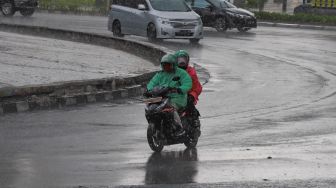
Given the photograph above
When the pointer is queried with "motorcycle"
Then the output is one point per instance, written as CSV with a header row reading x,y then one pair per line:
x,y
160,116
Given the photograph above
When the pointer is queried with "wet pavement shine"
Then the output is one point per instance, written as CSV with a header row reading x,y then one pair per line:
x,y
268,120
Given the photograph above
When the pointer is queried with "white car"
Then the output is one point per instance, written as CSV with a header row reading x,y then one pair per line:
x,y
155,19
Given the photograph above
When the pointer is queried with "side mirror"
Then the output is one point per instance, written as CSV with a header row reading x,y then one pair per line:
x,y
177,78
141,7
211,8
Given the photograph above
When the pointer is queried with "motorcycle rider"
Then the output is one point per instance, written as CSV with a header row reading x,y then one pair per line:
x,y
183,59
179,89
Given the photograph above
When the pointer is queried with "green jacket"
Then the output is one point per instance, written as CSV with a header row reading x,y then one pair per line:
x,y
165,79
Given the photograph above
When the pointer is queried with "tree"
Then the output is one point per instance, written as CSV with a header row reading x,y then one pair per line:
x,y
256,4
284,5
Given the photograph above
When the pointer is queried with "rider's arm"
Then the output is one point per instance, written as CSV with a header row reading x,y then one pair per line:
x,y
186,82
153,82
197,86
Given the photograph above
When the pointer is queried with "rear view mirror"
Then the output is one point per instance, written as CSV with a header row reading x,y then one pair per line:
x,y
141,7
211,8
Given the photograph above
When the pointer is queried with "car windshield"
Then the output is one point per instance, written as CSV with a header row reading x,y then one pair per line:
x,y
225,4
170,5
222,4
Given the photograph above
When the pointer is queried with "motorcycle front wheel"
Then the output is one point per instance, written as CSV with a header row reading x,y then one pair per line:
x,y
153,141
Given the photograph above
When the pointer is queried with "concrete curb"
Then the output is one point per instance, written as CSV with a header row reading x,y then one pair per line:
x,y
301,26
78,13
64,88
55,102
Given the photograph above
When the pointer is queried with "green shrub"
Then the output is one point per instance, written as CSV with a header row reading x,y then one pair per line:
x,y
297,18
72,5
255,3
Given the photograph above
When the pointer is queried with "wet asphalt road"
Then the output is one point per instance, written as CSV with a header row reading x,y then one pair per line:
x,y
268,119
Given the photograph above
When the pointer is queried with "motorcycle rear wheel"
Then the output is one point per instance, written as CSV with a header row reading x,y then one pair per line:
x,y
153,143
191,143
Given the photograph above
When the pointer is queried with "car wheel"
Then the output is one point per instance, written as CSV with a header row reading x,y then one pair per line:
x,y
243,29
116,29
151,33
7,8
27,12
220,24
194,41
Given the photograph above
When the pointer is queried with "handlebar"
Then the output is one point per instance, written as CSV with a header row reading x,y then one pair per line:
x,y
162,92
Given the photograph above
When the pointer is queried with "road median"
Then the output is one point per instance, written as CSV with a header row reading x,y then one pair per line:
x,y
55,95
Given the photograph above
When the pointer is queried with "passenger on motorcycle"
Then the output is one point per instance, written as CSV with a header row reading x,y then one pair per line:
x,y
183,59
179,89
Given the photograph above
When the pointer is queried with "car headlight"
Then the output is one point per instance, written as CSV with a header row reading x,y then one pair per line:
x,y
164,21
199,21
232,14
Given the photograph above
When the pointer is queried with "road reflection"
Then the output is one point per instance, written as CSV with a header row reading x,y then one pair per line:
x,y
172,167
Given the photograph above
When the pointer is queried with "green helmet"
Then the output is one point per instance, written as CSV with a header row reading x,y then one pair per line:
x,y
166,60
169,58
182,57
182,53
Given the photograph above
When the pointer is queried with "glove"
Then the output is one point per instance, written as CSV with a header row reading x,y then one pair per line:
x,y
179,91
175,90
147,94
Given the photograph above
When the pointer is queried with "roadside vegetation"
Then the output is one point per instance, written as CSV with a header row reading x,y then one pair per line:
x,y
75,6
255,4
297,18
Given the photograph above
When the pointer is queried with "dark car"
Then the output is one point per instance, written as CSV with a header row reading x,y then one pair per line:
x,y
223,15
26,7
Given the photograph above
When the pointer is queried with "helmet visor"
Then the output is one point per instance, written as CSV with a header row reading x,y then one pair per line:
x,y
168,67
182,62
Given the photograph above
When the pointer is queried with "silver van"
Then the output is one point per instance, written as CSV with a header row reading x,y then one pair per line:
x,y
155,19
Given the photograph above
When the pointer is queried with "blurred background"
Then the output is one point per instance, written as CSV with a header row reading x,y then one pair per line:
x,y
102,6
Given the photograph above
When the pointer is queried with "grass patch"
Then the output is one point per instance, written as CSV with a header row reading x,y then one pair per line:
x,y
297,18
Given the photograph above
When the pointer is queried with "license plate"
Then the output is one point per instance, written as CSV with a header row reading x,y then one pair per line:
x,y
185,32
